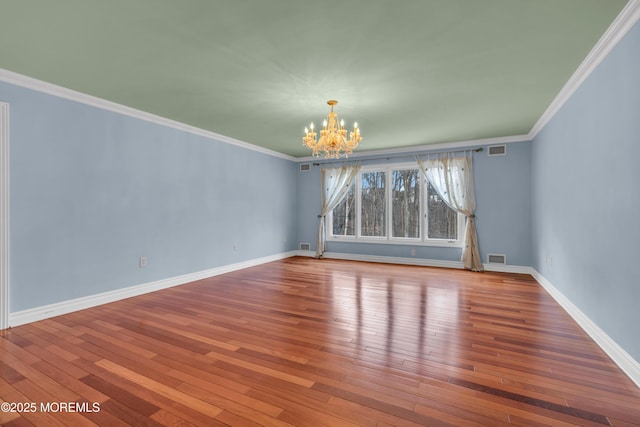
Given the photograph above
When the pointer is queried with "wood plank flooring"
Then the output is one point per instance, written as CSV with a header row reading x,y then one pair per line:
x,y
306,342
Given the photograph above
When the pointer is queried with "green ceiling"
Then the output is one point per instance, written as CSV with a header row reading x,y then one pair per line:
x,y
411,72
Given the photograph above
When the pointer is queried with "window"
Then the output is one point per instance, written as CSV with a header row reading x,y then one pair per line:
x,y
442,220
372,204
405,203
395,204
344,215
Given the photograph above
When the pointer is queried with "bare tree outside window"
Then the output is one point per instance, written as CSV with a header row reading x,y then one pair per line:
x,y
395,203
441,219
405,193
344,215
373,200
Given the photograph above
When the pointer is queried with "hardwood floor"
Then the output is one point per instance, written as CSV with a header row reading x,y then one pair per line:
x,y
308,342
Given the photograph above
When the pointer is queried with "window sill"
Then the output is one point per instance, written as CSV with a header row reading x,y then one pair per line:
x,y
395,241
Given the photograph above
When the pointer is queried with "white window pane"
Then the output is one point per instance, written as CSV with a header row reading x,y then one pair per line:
x,y
372,213
344,215
442,220
405,193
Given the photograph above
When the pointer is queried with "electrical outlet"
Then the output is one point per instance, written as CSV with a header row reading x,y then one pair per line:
x,y
143,261
413,252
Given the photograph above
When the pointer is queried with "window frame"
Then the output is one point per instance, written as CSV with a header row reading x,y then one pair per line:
x,y
423,240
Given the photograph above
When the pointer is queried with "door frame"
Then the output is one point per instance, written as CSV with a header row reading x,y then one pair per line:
x,y
4,215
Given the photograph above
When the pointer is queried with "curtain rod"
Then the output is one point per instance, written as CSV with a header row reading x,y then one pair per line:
x,y
397,156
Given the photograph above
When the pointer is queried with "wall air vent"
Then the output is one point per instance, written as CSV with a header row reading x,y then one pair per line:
x,y
496,259
305,167
497,150
305,246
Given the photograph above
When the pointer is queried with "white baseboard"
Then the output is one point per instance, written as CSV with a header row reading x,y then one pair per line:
x,y
628,364
44,312
418,261
394,260
620,357
506,268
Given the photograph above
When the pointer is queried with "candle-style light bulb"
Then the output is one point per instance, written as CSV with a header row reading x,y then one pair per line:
x,y
342,123
306,131
355,125
324,123
311,126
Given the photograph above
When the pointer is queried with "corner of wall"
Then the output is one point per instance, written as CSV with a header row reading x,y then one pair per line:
x,y
628,364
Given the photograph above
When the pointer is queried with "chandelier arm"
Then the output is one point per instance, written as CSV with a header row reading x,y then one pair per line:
x,y
333,141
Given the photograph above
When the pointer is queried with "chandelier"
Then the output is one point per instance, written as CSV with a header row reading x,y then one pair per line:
x,y
333,140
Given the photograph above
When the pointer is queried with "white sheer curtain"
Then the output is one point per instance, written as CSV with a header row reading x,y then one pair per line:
x,y
335,182
452,177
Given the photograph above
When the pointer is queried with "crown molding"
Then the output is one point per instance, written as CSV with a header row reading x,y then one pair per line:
x,y
83,98
425,148
625,20
72,95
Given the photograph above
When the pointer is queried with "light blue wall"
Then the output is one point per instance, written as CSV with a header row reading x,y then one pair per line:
x,y
586,196
91,191
503,198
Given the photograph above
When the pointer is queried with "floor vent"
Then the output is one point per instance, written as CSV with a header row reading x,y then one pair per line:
x,y
497,150
305,167
496,259
305,246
